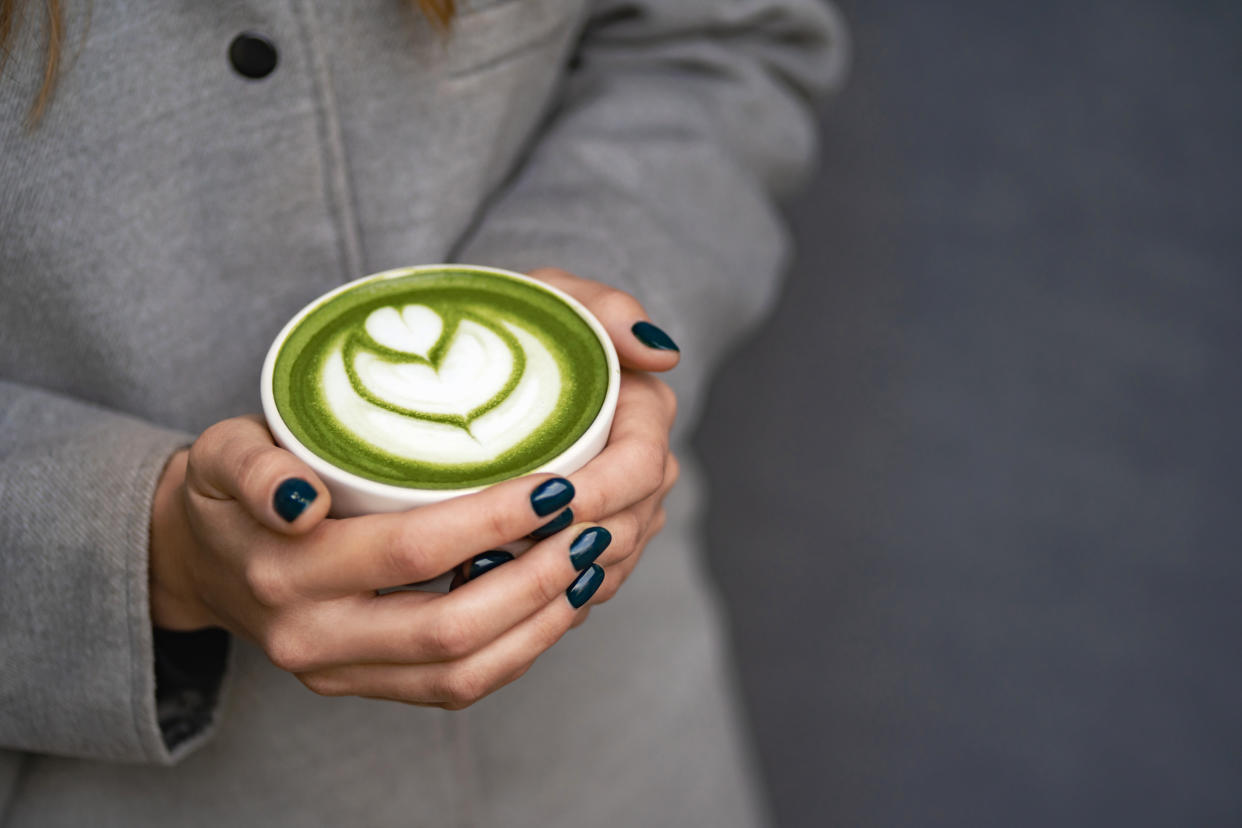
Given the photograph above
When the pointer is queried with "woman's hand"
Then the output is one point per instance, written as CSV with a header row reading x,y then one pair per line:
x,y
305,590
239,539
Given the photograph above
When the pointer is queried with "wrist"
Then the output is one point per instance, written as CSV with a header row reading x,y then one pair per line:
x,y
173,601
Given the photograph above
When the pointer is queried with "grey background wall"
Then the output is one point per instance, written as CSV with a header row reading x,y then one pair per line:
x,y
976,485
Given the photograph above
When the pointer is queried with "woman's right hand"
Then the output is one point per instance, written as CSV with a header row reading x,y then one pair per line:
x,y
304,589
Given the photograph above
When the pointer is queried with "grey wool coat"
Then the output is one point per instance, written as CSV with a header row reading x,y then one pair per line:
x,y
166,217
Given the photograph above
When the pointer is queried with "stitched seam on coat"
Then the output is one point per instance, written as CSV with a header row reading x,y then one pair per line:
x,y
332,146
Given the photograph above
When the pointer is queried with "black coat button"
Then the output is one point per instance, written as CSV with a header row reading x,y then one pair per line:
x,y
252,55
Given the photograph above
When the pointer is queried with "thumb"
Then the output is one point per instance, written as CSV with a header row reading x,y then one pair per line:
x,y
641,345
238,460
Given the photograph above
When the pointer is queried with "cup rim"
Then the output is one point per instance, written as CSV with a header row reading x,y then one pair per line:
x,y
411,495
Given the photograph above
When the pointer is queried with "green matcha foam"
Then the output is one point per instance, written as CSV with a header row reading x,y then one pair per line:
x,y
440,379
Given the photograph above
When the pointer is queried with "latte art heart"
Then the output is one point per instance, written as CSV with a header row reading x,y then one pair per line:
x,y
475,366
415,329
484,395
440,379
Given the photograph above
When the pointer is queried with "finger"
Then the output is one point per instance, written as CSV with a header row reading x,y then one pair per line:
x,y
633,528
627,529
621,559
458,684
631,467
624,555
640,344
656,525
380,551
620,571
672,473
414,627
237,460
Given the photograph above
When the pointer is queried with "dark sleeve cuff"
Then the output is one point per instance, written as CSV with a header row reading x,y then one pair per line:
x,y
189,669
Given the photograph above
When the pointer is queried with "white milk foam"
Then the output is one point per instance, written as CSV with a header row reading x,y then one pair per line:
x,y
474,369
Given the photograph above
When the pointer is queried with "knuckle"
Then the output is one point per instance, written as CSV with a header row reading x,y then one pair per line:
x,y
634,529
463,687
256,469
672,473
199,451
614,302
502,525
213,436
657,522
288,649
406,557
267,582
650,462
205,448
450,636
547,584
590,505
323,684
667,396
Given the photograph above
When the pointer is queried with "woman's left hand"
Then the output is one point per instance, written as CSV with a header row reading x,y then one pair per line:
x,y
623,488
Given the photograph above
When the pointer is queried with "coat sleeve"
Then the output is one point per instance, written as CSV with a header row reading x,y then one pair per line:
x,y
77,657
681,125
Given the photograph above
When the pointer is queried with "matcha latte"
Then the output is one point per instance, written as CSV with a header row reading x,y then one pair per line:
x,y
440,379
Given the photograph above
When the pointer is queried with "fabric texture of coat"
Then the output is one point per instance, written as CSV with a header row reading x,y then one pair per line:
x,y
168,215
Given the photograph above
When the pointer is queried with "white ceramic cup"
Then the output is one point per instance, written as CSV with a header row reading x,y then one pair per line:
x,y
354,495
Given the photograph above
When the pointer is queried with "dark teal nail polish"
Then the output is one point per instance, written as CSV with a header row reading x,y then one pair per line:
x,y
587,546
487,562
551,495
653,337
554,525
292,498
581,590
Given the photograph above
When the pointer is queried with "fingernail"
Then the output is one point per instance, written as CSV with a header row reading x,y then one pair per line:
x,y
487,562
554,525
292,498
551,495
587,546
581,590
653,337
